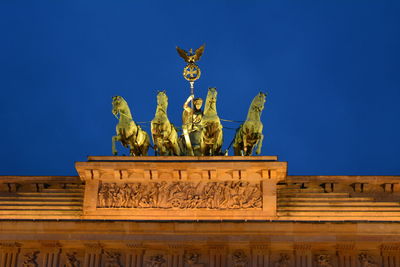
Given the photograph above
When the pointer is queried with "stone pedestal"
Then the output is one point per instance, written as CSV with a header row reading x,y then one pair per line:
x,y
181,188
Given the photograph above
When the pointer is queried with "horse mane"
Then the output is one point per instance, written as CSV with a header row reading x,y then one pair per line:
x,y
254,108
125,107
163,104
210,106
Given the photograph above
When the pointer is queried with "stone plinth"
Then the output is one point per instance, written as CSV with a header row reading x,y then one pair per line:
x,y
181,188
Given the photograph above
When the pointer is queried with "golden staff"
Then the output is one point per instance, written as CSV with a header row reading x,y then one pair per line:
x,y
191,73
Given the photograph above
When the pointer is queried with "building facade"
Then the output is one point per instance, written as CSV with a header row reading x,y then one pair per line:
x,y
198,211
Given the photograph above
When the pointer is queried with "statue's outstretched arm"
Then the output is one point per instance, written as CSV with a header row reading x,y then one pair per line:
x,y
186,105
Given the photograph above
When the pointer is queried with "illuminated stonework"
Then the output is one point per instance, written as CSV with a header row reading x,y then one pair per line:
x,y
180,195
198,212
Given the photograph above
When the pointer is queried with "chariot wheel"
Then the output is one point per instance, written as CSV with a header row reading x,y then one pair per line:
x,y
175,203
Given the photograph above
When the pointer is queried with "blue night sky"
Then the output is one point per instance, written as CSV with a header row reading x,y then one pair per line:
x,y
330,68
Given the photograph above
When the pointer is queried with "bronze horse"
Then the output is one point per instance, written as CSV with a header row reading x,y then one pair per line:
x,y
128,132
249,135
163,132
211,132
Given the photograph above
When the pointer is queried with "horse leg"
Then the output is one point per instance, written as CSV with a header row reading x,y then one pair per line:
x,y
249,150
175,149
182,146
175,145
197,143
202,145
156,146
218,144
236,144
115,139
259,144
145,150
160,148
244,151
145,146
132,150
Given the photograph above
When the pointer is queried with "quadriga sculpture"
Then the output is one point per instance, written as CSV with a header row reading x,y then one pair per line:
x,y
128,132
211,133
165,136
249,135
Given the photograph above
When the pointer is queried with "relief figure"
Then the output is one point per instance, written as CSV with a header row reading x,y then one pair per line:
x,y
181,195
71,260
30,259
366,260
323,261
239,259
156,261
283,261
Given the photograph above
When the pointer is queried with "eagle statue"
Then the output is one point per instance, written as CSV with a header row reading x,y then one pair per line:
x,y
191,57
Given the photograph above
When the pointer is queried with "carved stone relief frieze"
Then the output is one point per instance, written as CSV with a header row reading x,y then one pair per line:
x,y
239,259
366,260
156,261
112,259
191,258
323,260
30,259
71,260
194,255
283,261
181,195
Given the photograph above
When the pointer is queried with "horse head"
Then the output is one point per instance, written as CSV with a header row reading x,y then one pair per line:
x,y
211,99
120,106
258,101
162,99
117,103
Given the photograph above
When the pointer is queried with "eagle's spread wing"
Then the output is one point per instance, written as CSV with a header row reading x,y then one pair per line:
x,y
182,53
199,52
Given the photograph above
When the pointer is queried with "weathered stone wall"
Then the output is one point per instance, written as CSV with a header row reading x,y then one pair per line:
x,y
277,244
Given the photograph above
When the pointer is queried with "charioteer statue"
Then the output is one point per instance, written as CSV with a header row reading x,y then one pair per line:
x,y
192,116
191,123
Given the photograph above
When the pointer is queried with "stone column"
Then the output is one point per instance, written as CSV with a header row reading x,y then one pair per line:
x,y
346,255
217,256
134,256
390,255
303,255
9,252
51,254
269,197
93,255
270,177
91,192
259,255
175,255
70,258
